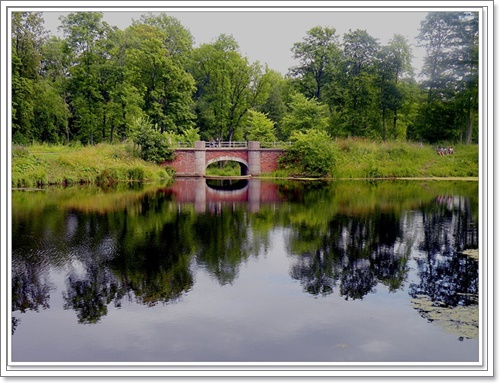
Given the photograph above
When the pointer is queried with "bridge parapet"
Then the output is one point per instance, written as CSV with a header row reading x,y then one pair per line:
x,y
236,144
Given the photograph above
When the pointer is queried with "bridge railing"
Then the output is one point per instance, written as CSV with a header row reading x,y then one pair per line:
x,y
226,144
277,144
236,144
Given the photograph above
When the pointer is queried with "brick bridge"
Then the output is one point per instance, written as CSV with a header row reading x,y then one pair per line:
x,y
253,159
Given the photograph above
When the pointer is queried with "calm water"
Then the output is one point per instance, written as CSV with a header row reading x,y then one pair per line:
x,y
247,271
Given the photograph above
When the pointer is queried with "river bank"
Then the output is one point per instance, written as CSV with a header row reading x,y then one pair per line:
x,y
365,159
42,165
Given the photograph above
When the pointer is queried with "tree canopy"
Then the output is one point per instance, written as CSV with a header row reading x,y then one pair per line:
x,y
94,82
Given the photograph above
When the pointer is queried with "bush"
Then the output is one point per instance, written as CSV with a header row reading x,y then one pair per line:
x,y
311,153
153,144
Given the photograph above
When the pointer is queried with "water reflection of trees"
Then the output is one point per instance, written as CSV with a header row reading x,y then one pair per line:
x,y
356,251
144,252
355,254
90,295
447,290
30,288
222,242
447,277
141,254
110,256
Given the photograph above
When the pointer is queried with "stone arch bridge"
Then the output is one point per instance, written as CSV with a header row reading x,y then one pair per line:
x,y
253,159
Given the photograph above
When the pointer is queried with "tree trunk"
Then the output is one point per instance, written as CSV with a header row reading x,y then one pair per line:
x,y
394,126
111,133
468,134
384,127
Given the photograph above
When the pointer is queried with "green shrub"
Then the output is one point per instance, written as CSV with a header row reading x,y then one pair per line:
x,y
311,153
153,144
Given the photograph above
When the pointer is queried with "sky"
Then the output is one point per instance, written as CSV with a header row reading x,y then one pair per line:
x,y
268,36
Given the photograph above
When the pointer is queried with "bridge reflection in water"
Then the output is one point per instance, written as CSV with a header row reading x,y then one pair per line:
x,y
206,193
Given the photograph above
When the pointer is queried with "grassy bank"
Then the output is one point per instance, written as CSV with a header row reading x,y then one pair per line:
x,y
360,158
40,165
365,159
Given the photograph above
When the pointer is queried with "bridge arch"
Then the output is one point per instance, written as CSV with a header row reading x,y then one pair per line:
x,y
242,162
193,161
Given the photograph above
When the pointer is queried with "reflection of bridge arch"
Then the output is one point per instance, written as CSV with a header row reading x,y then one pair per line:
x,y
226,184
196,190
241,161
240,194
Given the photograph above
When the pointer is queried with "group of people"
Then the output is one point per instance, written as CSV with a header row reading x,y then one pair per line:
x,y
214,143
442,151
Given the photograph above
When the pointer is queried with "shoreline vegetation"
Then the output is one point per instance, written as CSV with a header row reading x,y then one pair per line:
x,y
41,165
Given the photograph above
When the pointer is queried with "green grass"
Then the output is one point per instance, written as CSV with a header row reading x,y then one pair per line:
x,y
358,158
362,158
40,165
224,169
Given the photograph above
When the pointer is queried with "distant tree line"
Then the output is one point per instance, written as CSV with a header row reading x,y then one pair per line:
x,y
99,83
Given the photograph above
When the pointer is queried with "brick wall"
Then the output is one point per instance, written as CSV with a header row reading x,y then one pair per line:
x,y
184,160
269,159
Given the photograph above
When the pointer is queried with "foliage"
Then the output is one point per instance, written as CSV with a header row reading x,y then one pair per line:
x,y
164,84
152,143
190,135
260,127
451,69
28,36
318,55
228,86
177,40
304,115
311,153
224,169
90,85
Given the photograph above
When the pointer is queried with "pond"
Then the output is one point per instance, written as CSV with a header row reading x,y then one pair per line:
x,y
247,271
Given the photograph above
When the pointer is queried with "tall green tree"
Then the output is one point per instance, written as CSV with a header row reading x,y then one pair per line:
x,y
84,31
165,85
55,66
393,66
177,40
450,69
275,104
28,37
466,58
259,127
358,83
228,86
318,55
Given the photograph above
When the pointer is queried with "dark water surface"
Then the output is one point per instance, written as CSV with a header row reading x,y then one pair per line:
x,y
249,271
